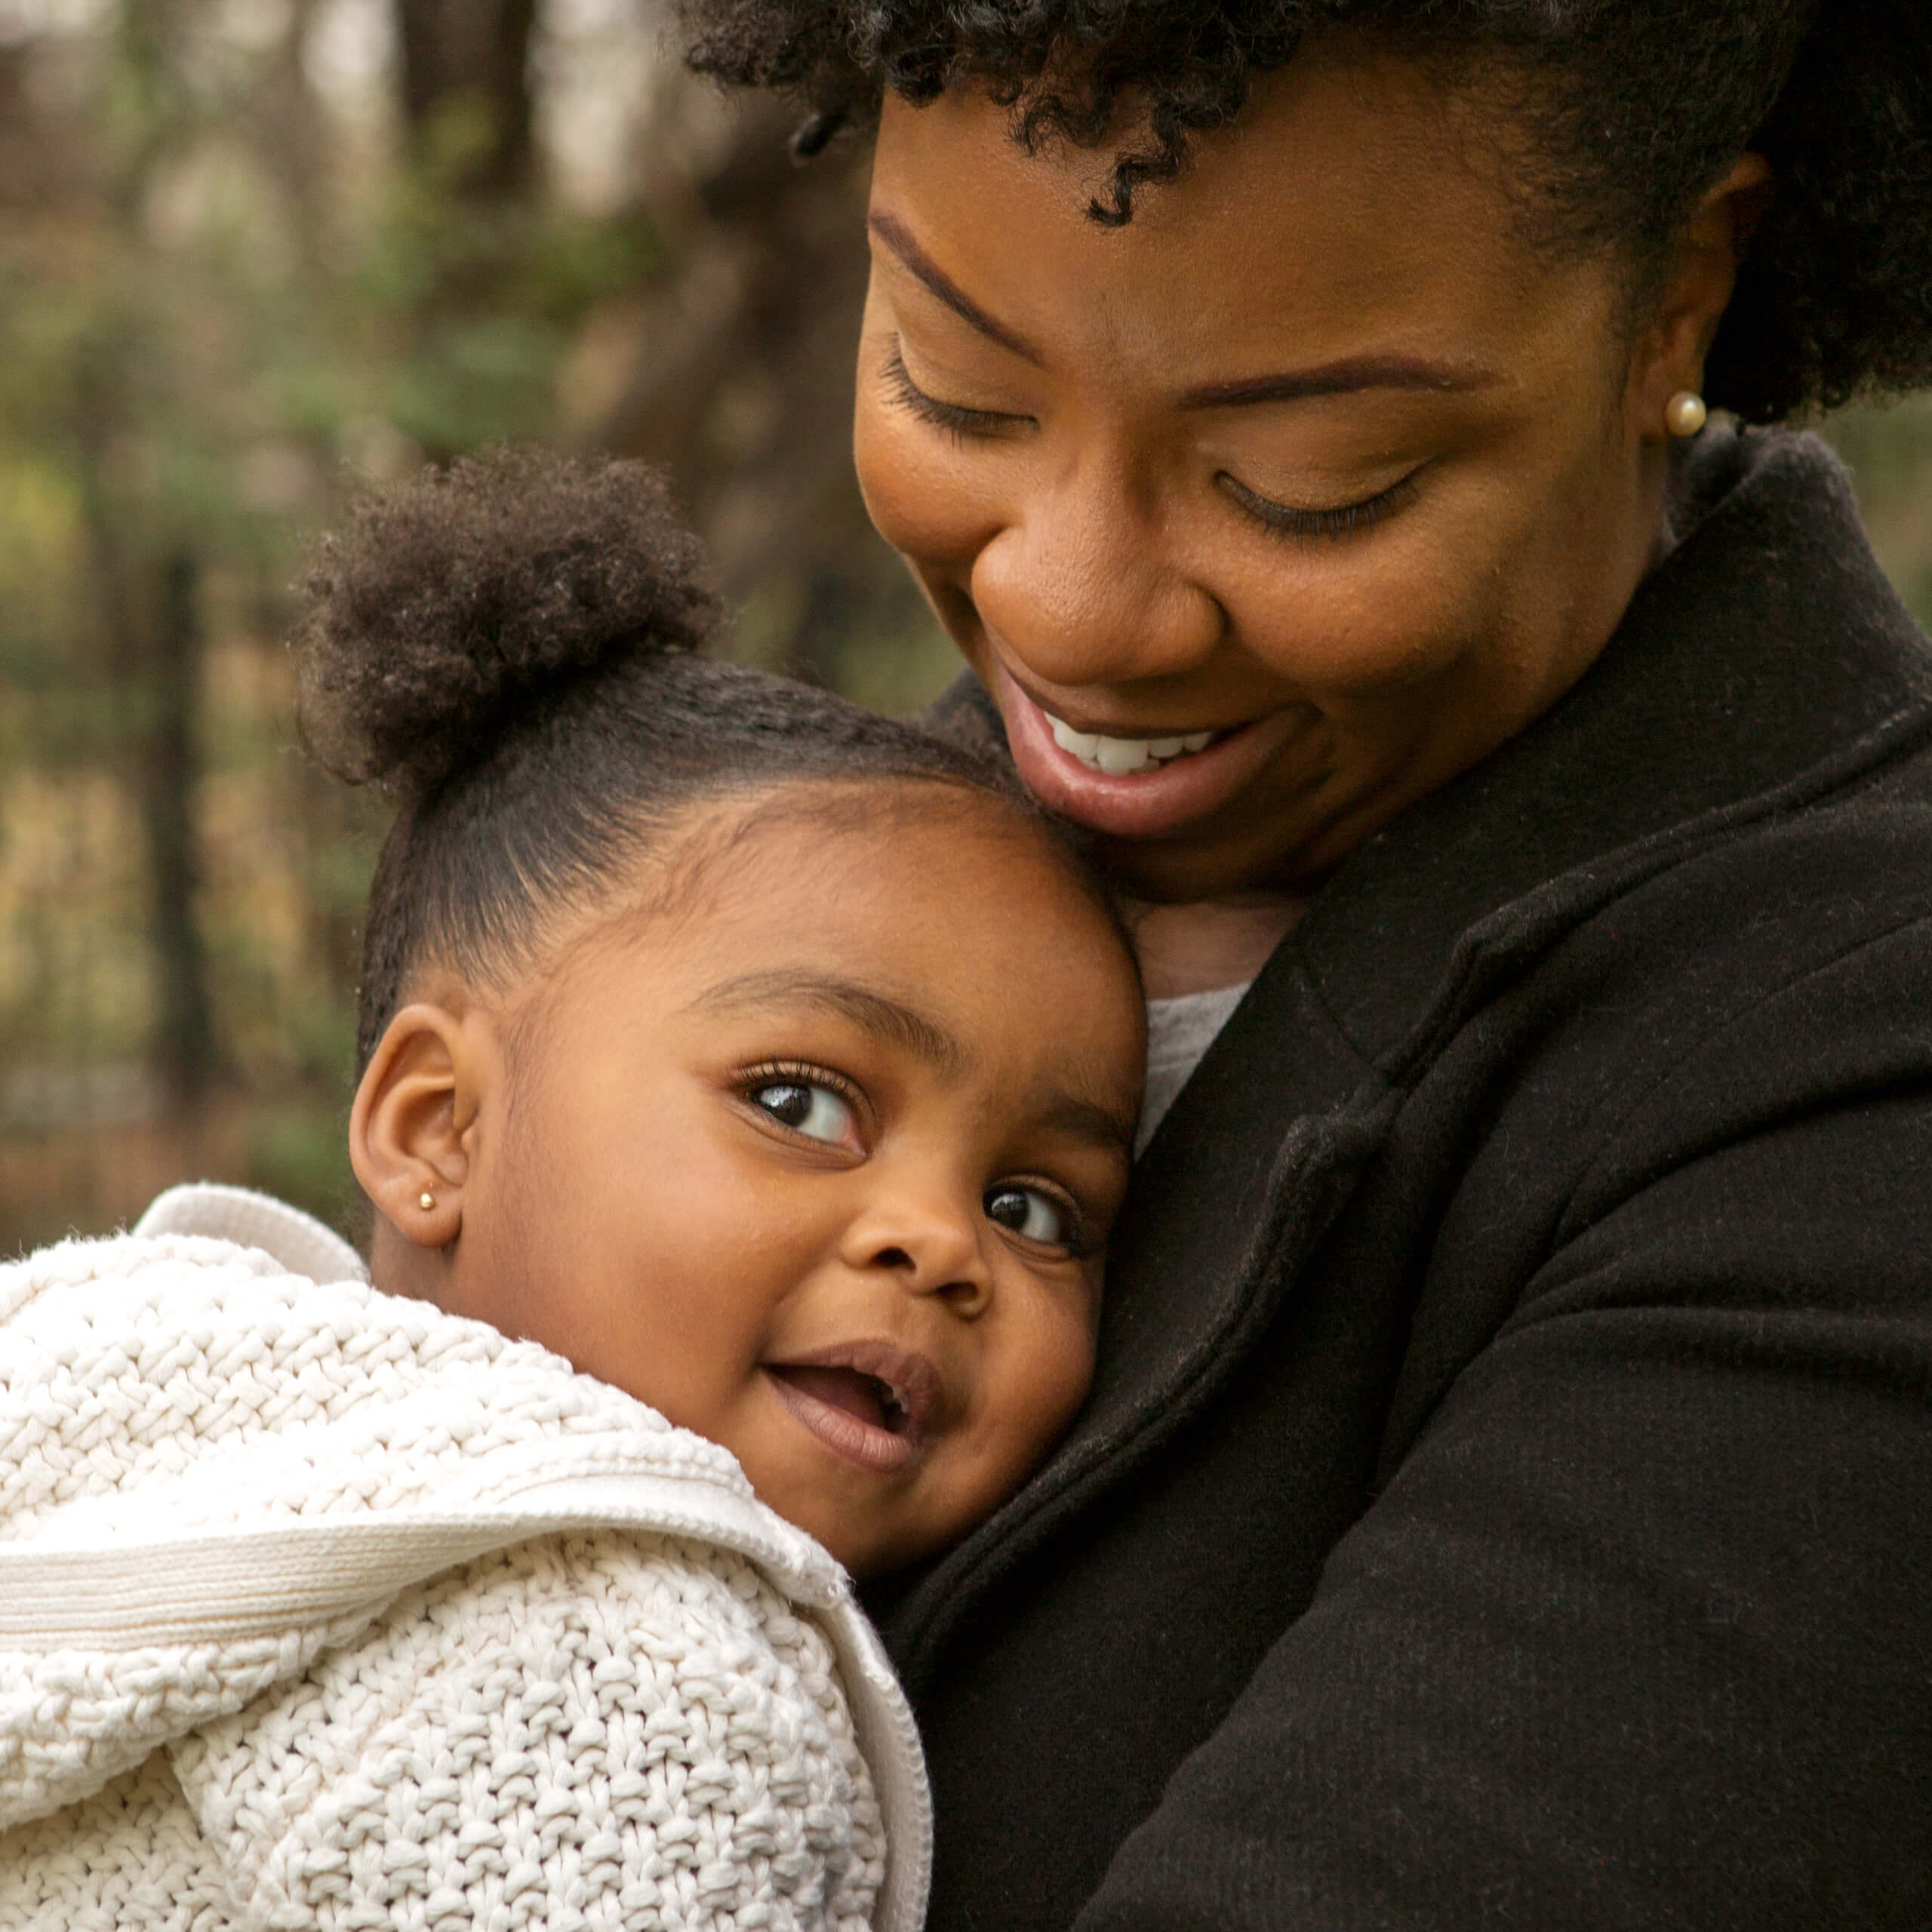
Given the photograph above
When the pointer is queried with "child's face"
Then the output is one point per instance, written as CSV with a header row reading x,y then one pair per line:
x,y
818,1161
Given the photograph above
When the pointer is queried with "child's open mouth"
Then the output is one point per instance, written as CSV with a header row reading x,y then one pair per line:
x,y
870,1402
871,1398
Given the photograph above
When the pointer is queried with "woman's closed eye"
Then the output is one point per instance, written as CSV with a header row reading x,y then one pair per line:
x,y
1041,1216
954,418
1343,520
964,423
805,1102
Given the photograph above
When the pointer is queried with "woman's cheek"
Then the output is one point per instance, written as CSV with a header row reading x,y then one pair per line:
x,y
920,491
1355,626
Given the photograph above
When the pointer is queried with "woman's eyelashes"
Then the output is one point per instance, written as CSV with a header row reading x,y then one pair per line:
x,y
1042,1215
1343,520
956,418
806,1101
963,424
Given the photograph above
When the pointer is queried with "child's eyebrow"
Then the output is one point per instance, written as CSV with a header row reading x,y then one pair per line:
x,y
1087,1120
875,1013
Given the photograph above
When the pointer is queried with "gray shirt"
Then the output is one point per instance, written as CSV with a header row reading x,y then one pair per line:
x,y
1179,1031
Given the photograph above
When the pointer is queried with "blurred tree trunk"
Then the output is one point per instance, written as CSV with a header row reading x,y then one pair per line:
x,y
466,110
147,575
744,385
184,1034
153,638
460,54
286,127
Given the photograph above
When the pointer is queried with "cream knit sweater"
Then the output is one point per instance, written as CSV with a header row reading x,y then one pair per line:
x,y
321,1608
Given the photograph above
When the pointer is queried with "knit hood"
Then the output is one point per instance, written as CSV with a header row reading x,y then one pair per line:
x,y
226,1460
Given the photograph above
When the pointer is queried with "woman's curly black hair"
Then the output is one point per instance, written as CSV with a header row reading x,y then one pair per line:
x,y
1634,109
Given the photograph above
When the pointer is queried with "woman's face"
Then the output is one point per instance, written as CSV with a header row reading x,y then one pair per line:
x,y
1316,455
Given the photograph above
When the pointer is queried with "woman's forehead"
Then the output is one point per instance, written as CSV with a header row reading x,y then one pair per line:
x,y
1354,196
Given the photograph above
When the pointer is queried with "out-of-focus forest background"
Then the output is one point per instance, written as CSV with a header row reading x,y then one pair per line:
x,y
254,254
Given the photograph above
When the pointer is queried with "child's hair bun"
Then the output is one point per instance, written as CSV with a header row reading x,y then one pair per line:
x,y
453,603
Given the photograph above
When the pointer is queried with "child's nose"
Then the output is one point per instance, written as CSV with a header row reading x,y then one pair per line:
x,y
932,1247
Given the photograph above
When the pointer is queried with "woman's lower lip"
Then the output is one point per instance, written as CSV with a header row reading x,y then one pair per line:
x,y
1145,804
877,1449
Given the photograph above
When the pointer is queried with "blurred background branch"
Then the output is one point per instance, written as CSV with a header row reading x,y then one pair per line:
x,y
254,253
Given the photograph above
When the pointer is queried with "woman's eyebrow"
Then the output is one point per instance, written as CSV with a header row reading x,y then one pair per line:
x,y
872,1012
895,236
1343,378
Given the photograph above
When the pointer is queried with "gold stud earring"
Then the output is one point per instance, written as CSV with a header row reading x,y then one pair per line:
x,y
425,1200
1684,414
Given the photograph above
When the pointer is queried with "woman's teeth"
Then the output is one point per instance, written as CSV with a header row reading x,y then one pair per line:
x,y
1119,757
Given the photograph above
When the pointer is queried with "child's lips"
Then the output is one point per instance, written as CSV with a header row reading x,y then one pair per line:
x,y
872,1402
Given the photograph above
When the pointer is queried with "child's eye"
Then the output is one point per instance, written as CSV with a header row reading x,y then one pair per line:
x,y
1033,1215
807,1108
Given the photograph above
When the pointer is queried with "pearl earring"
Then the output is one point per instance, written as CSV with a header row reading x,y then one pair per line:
x,y
425,1200
1685,414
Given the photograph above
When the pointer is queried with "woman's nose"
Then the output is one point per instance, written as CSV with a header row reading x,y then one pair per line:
x,y
1080,587
932,1247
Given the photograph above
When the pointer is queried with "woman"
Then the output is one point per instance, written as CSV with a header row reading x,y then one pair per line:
x,y
1504,1500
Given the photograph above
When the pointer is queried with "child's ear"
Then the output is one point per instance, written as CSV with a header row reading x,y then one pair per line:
x,y
407,1130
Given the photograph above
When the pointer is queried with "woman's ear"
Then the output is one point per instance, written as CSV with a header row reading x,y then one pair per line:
x,y
1672,359
408,1130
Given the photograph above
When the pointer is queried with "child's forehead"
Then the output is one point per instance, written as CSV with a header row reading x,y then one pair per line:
x,y
921,879
949,927
876,849
874,808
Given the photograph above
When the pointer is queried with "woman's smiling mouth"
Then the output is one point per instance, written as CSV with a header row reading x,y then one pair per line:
x,y
1136,788
1120,758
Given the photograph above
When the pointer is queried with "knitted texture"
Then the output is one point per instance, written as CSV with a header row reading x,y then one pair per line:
x,y
385,1620
130,1856
557,1729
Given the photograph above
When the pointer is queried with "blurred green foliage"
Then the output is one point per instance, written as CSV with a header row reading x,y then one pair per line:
x,y
1889,452
212,326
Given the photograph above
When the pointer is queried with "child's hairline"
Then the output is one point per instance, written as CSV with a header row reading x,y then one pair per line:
x,y
513,987
849,804
666,864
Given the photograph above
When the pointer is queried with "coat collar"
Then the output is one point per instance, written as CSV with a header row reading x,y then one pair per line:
x,y
1766,645
1766,654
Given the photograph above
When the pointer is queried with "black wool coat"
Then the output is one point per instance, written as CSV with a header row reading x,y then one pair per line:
x,y
1506,1497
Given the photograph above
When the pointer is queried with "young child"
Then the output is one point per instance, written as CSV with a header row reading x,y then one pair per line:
x,y
748,1085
